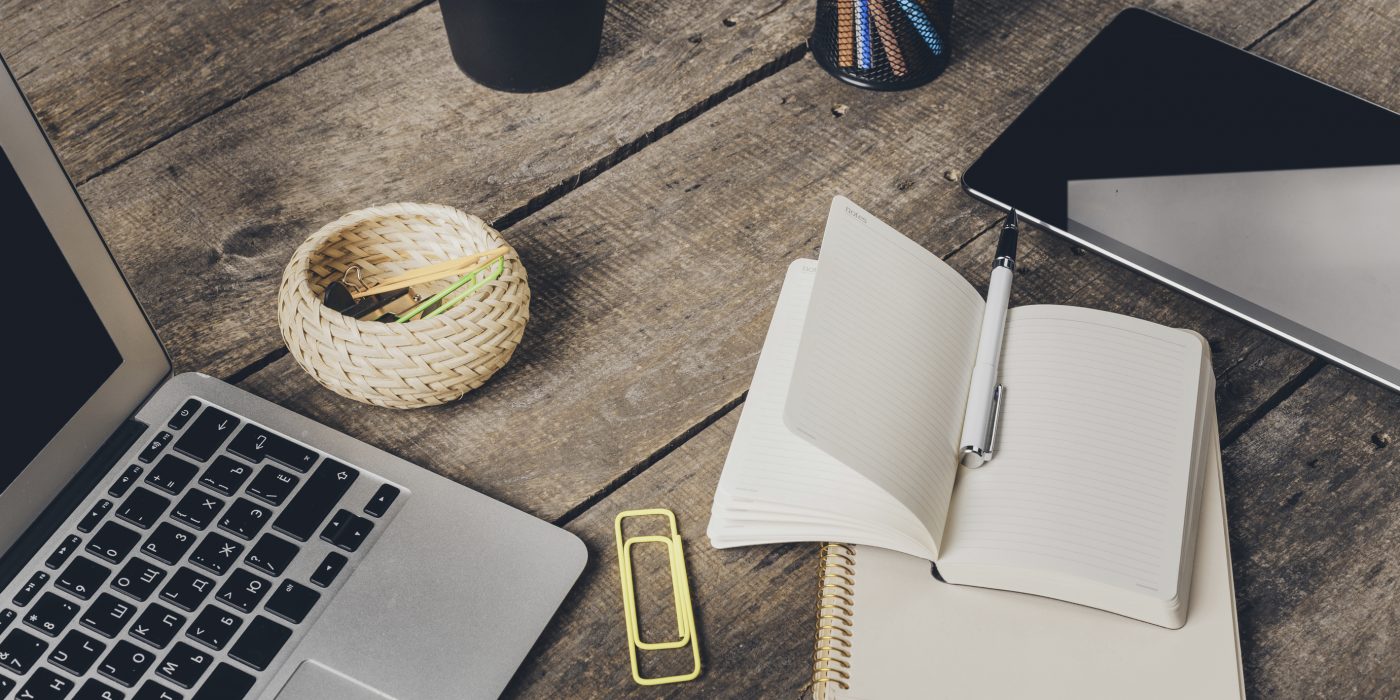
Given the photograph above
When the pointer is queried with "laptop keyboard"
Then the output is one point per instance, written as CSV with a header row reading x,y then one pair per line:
x,y
192,570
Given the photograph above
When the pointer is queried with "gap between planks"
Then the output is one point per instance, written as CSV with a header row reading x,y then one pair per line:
x,y
588,173
310,61
621,154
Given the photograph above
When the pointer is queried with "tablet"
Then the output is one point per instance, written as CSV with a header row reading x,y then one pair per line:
x,y
1245,184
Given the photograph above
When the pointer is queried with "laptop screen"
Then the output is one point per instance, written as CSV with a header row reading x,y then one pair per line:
x,y
58,353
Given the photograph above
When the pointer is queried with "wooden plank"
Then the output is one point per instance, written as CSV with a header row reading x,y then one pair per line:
x,y
109,78
1314,501
203,223
755,607
647,319
1313,531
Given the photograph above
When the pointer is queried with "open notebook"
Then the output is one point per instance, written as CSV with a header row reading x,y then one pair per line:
x,y
851,426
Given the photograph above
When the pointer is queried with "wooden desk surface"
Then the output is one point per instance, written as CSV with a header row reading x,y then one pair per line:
x,y
656,203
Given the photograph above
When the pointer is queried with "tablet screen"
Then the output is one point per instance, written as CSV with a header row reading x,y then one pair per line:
x,y
1228,176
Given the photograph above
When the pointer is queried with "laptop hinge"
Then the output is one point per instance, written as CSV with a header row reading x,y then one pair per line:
x,y
72,496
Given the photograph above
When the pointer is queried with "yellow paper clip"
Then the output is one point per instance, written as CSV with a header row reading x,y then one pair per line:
x,y
680,593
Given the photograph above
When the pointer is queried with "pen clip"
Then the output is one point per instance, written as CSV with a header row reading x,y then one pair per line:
x,y
974,456
993,420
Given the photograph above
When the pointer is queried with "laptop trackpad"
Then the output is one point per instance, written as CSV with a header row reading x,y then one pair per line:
x,y
314,681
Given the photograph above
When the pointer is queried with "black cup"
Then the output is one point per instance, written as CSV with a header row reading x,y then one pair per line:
x,y
524,45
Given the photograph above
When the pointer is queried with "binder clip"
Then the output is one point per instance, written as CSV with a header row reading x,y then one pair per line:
x,y
680,593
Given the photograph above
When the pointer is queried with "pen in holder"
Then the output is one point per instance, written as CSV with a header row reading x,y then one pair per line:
x,y
882,44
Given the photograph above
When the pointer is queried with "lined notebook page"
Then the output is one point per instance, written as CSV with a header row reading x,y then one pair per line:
x,y
885,360
777,487
1093,458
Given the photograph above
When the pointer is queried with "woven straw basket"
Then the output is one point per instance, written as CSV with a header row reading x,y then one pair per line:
x,y
424,362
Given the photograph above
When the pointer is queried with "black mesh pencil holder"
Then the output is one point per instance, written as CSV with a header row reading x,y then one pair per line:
x,y
882,44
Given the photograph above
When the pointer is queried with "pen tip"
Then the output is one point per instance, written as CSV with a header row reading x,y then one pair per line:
x,y
1012,219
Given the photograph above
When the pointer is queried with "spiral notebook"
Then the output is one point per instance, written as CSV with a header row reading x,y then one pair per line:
x,y
850,432
888,630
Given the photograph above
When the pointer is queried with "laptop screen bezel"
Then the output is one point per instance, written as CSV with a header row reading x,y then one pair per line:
x,y
144,364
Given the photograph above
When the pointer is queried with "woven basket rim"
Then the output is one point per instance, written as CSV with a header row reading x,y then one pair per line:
x,y
316,241
424,362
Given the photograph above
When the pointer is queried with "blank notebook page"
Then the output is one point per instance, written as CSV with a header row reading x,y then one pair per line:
x,y
1093,453
885,361
776,487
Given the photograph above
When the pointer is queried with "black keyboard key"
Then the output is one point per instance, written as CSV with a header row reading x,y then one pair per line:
x,y
214,627
183,415
20,650
260,643
245,518
76,653
32,586
143,507
197,509
138,578
168,544
94,516
272,485
271,555
94,689
383,498
51,614
83,577
330,568
46,685
6,685
316,499
107,615
251,443
255,443
112,542
187,589
155,447
64,550
292,601
157,625
216,553
353,534
225,683
243,590
171,474
124,482
126,663
6,617
206,434
151,690
338,522
184,665
226,475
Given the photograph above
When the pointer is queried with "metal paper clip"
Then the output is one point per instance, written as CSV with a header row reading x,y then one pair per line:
x,y
680,594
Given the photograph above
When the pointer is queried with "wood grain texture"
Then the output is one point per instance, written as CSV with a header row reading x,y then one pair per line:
x,y
755,608
651,285
646,319
1314,501
109,78
203,223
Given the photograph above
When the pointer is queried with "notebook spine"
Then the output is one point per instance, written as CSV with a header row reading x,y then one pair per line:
x,y
831,657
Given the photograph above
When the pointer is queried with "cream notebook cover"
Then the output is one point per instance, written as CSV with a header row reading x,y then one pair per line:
x,y
909,636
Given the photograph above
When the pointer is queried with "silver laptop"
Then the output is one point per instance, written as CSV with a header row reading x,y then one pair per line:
x,y
174,537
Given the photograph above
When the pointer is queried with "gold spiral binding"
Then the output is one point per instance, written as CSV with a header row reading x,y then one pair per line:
x,y
836,593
